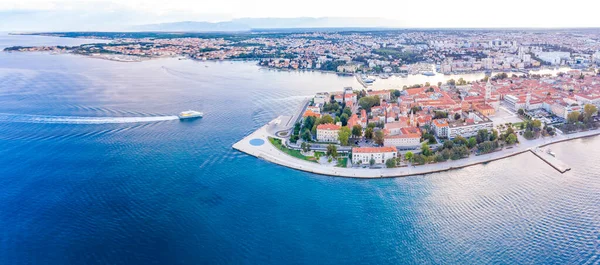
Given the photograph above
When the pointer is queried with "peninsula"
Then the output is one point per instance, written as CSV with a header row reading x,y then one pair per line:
x,y
427,128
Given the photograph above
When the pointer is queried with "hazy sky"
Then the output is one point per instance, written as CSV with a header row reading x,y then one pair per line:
x,y
112,14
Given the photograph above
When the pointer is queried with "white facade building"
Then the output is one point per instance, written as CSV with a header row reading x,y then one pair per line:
x,y
363,155
328,133
470,126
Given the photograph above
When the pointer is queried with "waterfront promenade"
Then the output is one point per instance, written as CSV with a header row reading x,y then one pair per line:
x,y
257,144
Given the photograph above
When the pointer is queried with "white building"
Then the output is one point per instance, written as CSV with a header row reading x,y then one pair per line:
x,y
553,58
403,137
440,128
328,133
363,155
321,98
382,94
514,102
470,126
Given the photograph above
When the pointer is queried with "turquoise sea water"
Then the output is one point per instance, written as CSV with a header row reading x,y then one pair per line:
x,y
94,169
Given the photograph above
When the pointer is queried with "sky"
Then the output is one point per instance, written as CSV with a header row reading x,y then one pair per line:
x,y
28,15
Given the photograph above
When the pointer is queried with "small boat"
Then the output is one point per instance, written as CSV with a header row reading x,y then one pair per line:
x,y
428,73
190,114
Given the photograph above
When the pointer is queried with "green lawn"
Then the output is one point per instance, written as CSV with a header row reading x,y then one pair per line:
x,y
295,153
342,162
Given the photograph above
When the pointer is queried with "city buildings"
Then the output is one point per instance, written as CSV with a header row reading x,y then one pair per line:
x,y
328,133
364,155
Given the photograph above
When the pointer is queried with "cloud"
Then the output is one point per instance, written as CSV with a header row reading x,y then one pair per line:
x,y
44,15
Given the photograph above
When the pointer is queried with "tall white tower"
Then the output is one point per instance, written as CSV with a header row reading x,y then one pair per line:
x,y
488,91
528,100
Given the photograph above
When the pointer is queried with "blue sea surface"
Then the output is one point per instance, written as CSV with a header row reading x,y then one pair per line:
x,y
95,169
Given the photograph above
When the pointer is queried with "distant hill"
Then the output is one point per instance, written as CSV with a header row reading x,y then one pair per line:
x,y
193,26
247,24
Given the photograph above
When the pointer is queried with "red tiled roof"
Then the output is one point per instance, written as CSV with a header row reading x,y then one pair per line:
x,y
440,123
328,126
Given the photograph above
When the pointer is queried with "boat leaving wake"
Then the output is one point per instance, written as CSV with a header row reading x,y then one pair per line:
x,y
24,118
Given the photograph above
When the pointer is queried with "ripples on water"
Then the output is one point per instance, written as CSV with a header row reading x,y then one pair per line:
x,y
174,192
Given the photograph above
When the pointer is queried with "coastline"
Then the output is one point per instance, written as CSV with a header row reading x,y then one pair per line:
x,y
269,153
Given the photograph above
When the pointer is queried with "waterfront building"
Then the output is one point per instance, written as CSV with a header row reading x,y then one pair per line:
x,y
363,155
321,98
328,133
314,109
310,113
407,137
440,128
382,94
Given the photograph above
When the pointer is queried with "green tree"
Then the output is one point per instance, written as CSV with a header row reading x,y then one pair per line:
x,y
440,115
306,135
390,163
459,140
589,110
472,142
409,156
305,147
343,135
325,119
344,119
425,150
451,82
332,150
573,117
371,125
536,124
347,111
357,130
367,102
369,133
372,162
309,122
482,136
448,144
511,138
521,112
378,137
456,116
494,135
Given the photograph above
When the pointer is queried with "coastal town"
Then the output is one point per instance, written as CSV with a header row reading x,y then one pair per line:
x,y
382,53
426,126
420,128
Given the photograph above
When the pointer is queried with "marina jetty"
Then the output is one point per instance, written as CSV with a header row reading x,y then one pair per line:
x,y
258,144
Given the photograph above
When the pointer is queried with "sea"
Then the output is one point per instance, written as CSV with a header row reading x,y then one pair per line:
x,y
95,168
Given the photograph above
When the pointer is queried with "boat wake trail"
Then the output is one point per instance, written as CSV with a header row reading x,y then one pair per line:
x,y
23,118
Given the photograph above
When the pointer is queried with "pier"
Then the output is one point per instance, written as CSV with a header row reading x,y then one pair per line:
x,y
546,156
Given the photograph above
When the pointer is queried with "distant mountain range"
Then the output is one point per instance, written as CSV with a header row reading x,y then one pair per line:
x,y
247,24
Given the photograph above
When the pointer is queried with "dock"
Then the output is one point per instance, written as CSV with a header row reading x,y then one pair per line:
x,y
550,159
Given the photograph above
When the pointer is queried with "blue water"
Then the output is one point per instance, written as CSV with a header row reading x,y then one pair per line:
x,y
94,169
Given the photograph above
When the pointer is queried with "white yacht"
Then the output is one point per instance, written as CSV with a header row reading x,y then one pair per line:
x,y
190,114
